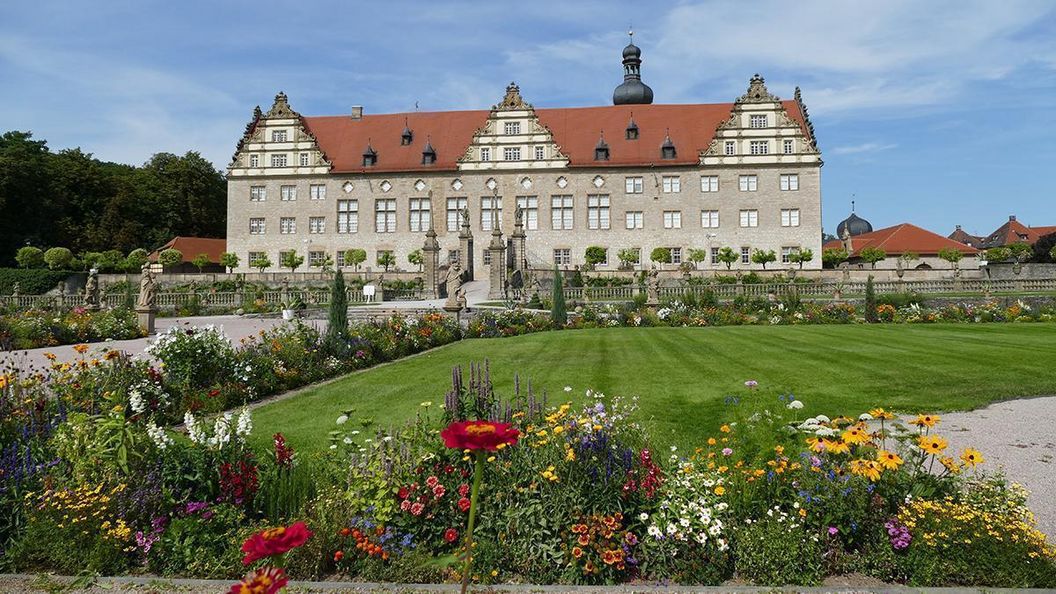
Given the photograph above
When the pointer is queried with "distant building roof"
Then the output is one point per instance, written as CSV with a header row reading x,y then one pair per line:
x,y
192,246
960,235
903,238
1015,232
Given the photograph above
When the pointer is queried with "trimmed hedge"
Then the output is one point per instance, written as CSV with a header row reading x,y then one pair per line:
x,y
34,281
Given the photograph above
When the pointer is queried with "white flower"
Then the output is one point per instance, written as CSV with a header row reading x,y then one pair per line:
x,y
158,436
333,446
795,505
684,522
824,432
721,506
135,401
671,529
654,531
245,423
722,545
795,404
568,388
821,419
865,417
715,530
674,448
194,432
342,419
643,517
387,438
347,440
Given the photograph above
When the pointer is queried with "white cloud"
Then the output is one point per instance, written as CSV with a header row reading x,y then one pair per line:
x,y
865,147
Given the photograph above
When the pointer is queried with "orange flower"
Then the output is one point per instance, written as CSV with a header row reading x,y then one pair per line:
x,y
932,444
925,421
950,464
577,552
879,413
725,428
81,348
867,468
720,490
855,435
50,356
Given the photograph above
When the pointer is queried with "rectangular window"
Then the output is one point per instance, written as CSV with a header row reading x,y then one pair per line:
x,y
709,183
789,182
709,219
254,161
278,160
511,153
634,185
421,215
385,215
598,211
563,257
485,153
746,255
339,257
789,217
304,159
511,128
253,257
749,183
759,147
486,258
288,193
529,206
317,192
278,136
256,226
317,224
540,153
455,206
714,255
672,184
490,209
561,212
749,218
790,146
316,258
288,225
757,121
348,216
731,147
786,252
635,219
676,255
672,219
258,193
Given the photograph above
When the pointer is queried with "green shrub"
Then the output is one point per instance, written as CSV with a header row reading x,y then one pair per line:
x,y
30,257
202,541
900,300
35,281
775,550
557,311
870,300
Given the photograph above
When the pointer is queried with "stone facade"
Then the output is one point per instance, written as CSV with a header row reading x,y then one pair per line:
x,y
761,168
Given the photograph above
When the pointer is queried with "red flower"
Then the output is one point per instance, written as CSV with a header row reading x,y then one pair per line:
x,y
450,535
404,492
275,541
266,580
417,508
463,489
339,556
405,505
438,491
479,435
463,504
431,482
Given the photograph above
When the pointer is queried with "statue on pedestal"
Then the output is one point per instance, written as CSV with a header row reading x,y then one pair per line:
x,y
91,290
652,285
148,291
456,296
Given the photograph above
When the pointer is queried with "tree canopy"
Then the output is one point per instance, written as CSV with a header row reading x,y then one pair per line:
x,y
71,199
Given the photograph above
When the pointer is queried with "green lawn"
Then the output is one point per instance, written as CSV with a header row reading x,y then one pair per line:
x,y
683,374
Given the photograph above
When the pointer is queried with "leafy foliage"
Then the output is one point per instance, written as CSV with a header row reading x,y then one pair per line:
x,y
170,257
872,255
833,257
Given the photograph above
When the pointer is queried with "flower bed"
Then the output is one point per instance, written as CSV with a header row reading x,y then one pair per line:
x,y
36,328
571,494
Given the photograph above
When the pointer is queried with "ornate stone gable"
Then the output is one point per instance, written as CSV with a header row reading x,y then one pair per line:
x,y
278,143
512,138
760,131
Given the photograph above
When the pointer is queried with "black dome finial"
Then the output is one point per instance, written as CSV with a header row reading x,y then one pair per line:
x,y
632,90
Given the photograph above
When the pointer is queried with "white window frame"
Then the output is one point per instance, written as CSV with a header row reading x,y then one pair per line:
x,y
758,120
278,160
254,161
786,251
749,217
562,215
789,146
317,191
562,256
789,217
316,225
455,206
420,213
487,204
709,219
257,226
715,256
279,136
485,153
348,216
253,256
759,147
288,193
511,153
304,159
529,206
540,153
258,193
709,183
748,183
672,184
634,219
598,211
672,219
316,258
676,255
511,128
288,225
385,215
789,182
634,184
730,148
746,254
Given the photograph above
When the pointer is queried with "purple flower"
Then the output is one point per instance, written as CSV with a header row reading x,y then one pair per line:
x,y
751,383
833,530
727,451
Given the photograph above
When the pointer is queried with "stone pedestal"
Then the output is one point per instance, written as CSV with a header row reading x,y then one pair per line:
x,y
146,316
518,245
431,265
497,273
465,248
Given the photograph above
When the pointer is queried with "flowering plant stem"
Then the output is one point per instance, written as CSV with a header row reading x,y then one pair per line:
x,y
478,473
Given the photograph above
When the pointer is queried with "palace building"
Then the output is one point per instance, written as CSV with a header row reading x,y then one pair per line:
x,y
630,176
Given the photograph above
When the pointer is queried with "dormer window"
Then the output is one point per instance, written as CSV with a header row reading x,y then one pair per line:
x,y
407,136
601,150
632,130
428,154
667,150
370,156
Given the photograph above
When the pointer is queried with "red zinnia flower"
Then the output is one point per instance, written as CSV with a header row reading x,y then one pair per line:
x,y
339,556
479,435
463,490
266,580
417,508
463,504
450,535
438,491
431,482
275,541
404,492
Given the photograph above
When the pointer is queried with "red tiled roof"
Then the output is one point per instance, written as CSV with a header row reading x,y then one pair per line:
x,y
903,238
576,131
1043,231
960,235
192,246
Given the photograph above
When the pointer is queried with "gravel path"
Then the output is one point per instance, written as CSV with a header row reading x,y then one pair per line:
x,y
1018,436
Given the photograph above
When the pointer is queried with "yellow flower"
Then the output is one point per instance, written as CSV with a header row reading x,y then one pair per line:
x,y
720,490
855,435
725,428
932,444
711,441
779,449
570,455
950,464
81,348
558,429
888,460
879,413
971,457
836,447
867,468
925,421
802,512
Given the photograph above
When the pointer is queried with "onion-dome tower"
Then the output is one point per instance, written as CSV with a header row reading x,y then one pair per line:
x,y
632,91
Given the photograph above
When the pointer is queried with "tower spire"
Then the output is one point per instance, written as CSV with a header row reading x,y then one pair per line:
x,y
633,90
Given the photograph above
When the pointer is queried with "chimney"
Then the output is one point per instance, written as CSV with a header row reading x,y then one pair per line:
x,y
357,112
1011,217
958,227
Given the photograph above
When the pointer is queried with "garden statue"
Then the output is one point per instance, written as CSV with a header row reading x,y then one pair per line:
x,y
653,287
147,289
898,268
518,216
62,288
91,290
17,288
453,283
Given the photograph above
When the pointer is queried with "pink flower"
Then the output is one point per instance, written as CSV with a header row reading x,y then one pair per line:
x,y
432,482
751,383
417,508
833,530
726,451
438,491
405,505
463,490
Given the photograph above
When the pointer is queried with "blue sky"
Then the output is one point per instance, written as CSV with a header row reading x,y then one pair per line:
x,y
934,113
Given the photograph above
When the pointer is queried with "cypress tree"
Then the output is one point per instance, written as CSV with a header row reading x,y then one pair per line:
x,y
558,313
337,320
870,300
